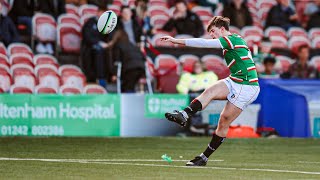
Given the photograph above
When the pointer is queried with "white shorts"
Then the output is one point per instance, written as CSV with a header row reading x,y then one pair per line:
x,y
241,95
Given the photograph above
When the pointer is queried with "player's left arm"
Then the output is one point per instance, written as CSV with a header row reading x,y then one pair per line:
x,y
195,42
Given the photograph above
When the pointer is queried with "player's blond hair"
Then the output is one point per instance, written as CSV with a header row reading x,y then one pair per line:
x,y
219,21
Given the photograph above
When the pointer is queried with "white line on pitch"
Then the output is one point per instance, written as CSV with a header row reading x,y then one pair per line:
x,y
307,162
99,160
156,165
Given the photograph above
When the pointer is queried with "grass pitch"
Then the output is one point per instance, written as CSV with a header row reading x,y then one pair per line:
x,y
140,158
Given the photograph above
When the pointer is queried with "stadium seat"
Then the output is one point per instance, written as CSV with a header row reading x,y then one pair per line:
x,y
235,30
154,11
21,58
251,31
21,68
41,89
158,3
252,40
283,63
155,41
5,80
45,68
20,89
14,48
4,60
187,62
315,61
158,21
69,38
85,18
68,68
278,42
266,4
87,9
49,79
43,28
72,9
263,15
295,42
275,31
216,64
45,59
316,43
296,32
314,33
117,3
150,69
202,11
75,79
24,78
3,49
94,89
69,18
114,8
4,68
167,73
68,89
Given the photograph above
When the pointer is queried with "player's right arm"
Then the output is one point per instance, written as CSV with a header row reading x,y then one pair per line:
x,y
194,42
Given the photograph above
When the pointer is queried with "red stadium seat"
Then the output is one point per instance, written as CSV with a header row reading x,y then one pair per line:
x,y
68,68
94,89
155,10
167,73
252,40
5,80
283,63
45,59
158,3
75,79
14,48
4,60
275,31
19,89
296,32
202,11
4,68
235,30
72,9
21,58
114,8
87,9
85,18
49,79
217,65
314,33
316,43
278,42
188,61
295,42
69,38
158,21
155,41
21,67
40,89
266,4
251,31
24,78
43,28
69,18
68,89
117,3
3,49
45,68
315,61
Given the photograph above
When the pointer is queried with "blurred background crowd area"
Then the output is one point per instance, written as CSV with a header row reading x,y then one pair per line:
x,y
53,46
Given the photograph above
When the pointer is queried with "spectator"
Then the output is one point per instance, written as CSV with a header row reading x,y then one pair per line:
x,y
184,21
126,51
94,51
100,2
22,12
142,17
193,84
8,31
54,8
269,71
301,68
238,13
314,20
282,15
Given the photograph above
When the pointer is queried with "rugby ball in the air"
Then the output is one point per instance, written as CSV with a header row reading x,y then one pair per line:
x,y
107,22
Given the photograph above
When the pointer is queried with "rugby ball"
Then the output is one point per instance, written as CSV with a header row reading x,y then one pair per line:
x,y
107,22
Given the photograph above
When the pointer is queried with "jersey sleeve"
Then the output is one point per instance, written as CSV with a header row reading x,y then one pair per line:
x,y
226,42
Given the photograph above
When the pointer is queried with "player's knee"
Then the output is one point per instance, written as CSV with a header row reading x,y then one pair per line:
x,y
224,121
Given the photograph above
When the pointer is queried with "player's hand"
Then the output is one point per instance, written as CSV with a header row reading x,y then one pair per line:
x,y
168,39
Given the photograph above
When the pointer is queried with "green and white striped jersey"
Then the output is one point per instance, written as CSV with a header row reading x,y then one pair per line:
x,y
239,60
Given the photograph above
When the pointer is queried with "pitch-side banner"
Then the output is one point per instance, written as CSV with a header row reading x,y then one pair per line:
x,y
57,115
157,105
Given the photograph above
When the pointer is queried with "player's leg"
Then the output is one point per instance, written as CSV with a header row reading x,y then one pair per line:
x,y
228,115
218,91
